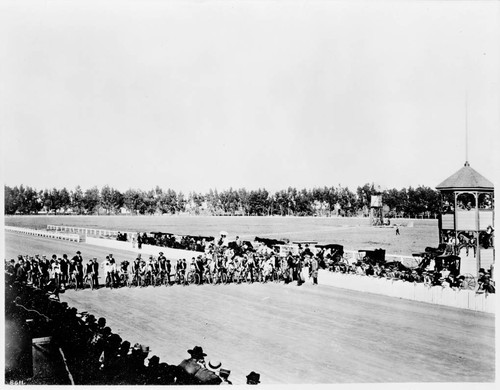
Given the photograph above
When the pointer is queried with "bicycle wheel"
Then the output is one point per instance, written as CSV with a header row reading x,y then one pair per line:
x,y
469,282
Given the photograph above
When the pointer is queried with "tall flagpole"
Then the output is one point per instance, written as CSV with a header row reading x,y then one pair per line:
x,y
466,132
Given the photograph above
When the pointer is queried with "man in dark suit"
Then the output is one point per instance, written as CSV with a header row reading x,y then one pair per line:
x,y
189,367
95,275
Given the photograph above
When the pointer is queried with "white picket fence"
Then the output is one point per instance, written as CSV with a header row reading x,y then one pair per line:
x,y
463,299
43,233
170,253
87,231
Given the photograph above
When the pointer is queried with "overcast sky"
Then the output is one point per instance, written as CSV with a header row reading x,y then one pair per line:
x,y
204,94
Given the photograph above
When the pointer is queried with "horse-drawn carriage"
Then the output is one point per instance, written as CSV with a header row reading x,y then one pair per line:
x,y
332,257
439,266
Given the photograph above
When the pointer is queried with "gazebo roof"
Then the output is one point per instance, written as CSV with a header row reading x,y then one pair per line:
x,y
466,178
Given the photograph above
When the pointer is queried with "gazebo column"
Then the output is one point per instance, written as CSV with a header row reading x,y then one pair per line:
x,y
478,250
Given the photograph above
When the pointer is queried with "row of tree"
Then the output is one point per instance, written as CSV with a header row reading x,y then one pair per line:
x,y
326,201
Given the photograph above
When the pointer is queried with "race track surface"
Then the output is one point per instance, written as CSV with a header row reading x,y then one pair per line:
x,y
291,334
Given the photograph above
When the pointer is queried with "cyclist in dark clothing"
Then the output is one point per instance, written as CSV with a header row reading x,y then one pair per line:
x,y
200,266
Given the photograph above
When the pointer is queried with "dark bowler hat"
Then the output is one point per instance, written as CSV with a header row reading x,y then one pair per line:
x,y
154,359
253,378
197,352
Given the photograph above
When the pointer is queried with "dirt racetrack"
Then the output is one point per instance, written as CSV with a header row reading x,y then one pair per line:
x,y
290,334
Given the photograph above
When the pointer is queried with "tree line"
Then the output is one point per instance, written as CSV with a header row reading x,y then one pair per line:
x,y
326,201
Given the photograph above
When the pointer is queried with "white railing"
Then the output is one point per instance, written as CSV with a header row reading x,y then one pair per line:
x,y
170,253
43,233
463,299
88,231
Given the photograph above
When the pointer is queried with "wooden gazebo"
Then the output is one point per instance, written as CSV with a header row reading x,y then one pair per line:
x,y
466,222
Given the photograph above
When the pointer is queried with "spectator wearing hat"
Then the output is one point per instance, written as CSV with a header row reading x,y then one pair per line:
x,y
209,375
168,270
152,372
64,269
192,365
253,378
78,257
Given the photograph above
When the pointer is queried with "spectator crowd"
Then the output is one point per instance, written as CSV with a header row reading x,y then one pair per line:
x,y
92,353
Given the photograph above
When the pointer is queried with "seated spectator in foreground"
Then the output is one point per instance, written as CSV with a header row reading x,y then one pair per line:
x,y
192,365
253,378
224,375
209,375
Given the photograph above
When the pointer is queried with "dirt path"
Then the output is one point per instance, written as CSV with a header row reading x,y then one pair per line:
x,y
290,334
307,334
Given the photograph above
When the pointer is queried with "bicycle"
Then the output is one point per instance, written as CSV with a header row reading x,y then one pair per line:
x,y
124,279
72,282
207,277
158,279
136,280
88,281
193,277
180,278
167,279
237,276
219,277
147,279
110,280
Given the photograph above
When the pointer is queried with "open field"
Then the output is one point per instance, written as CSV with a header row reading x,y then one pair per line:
x,y
290,334
353,233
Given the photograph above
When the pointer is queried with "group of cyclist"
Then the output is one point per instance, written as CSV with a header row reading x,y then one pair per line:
x,y
59,272
218,265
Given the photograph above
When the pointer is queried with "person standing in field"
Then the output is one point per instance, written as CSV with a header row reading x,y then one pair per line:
x,y
89,270
397,230
314,269
291,267
299,266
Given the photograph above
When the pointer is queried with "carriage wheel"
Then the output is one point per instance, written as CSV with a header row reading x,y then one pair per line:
x,y
469,283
